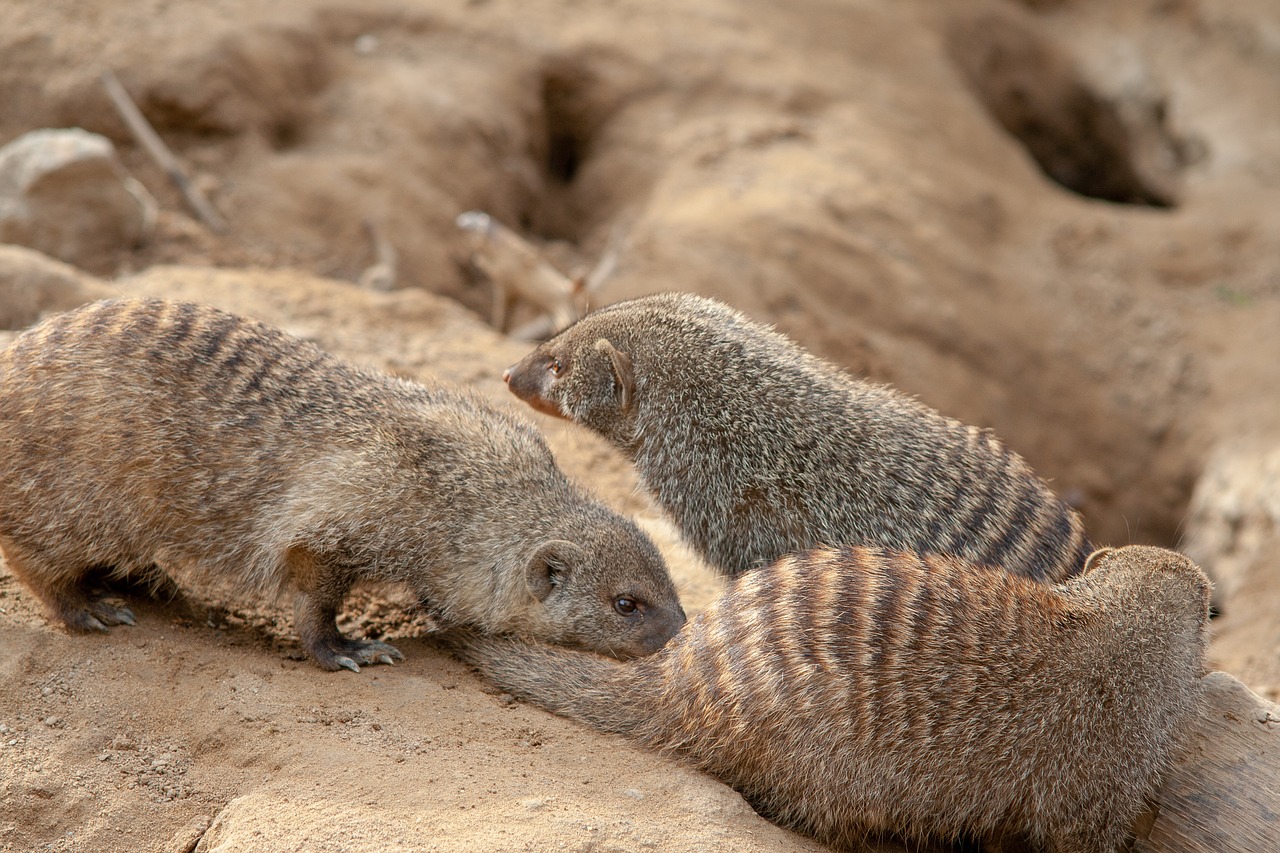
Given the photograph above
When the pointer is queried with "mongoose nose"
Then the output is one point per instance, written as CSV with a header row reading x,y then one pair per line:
x,y
506,376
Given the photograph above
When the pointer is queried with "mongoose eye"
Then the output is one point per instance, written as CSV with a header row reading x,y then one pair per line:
x,y
555,367
625,606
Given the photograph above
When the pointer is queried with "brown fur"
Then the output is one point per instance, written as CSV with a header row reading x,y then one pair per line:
x,y
758,449
144,435
855,691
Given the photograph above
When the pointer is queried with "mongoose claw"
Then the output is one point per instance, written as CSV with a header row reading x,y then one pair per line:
x,y
346,662
109,614
125,615
375,651
350,654
100,616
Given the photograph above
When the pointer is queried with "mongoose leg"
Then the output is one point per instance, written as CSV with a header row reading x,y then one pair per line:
x,y
314,620
315,623
322,587
64,593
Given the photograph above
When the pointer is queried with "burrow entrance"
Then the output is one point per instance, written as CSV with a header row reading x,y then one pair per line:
x,y
1117,148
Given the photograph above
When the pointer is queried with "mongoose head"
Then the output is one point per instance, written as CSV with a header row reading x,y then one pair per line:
x,y
1158,581
1159,574
583,375
617,366
604,588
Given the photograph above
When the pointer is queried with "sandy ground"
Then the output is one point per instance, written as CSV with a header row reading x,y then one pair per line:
x,y
862,173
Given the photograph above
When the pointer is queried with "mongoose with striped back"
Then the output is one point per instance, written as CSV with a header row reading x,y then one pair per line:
x,y
858,692
757,448
155,439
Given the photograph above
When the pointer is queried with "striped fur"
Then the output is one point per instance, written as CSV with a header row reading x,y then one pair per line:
x,y
141,433
855,691
758,449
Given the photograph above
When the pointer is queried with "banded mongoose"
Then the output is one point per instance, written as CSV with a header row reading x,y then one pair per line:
x,y
757,448
516,269
856,691
163,439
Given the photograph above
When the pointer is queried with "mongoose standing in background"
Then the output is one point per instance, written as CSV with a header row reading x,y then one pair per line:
x,y
855,691
145,436
758,449
517,269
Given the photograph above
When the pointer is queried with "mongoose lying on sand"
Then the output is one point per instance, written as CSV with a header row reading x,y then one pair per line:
x,y
147,437
758,449
855,691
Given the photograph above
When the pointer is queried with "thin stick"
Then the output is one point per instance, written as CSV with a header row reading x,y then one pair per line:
x,y
151,141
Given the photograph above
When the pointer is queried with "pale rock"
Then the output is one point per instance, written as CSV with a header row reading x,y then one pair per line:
x,y
1235,513
65,193
682,810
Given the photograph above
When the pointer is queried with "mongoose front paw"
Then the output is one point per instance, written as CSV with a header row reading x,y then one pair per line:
x,y
350,654
99,616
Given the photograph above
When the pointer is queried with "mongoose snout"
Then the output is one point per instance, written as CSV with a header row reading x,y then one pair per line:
x,y
162,439
529,380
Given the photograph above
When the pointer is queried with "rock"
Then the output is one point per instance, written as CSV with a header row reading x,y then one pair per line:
x,y
32,284
1234,511
335,807
1233,532
1223,794
65,193
186,838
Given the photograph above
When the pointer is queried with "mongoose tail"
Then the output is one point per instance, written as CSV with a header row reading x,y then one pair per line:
x,y
599,691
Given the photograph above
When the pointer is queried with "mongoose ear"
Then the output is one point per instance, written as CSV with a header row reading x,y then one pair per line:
x,y
1093,558
550,566
621,371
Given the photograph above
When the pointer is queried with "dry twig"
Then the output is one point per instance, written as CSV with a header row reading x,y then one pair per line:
x,y
381,275
154,145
